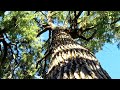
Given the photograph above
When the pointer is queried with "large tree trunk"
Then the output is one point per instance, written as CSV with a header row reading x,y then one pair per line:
x,y
72,61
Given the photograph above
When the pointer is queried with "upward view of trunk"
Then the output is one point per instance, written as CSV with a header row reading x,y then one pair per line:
x,y
70,60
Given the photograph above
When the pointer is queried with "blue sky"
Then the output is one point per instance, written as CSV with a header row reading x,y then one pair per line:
x,y
109,58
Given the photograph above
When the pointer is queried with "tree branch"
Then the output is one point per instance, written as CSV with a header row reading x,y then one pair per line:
x,y
49,18
79,13
2,31
78,33
67,18
45,26
11,48
44,72
43,58
74,21
115,21
49,26
43,14
42,31
91,37
87,29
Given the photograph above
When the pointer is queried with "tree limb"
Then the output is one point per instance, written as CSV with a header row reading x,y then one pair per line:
x,y
43,14
79,13
49,18
2,31
44,72
91,37
43,58
74,21
42,32
15,44
67,18
87,29
115,21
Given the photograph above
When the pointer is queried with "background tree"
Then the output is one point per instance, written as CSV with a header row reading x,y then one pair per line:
x,y
21,47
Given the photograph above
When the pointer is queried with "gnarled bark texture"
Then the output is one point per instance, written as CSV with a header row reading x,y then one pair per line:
x,y
72,61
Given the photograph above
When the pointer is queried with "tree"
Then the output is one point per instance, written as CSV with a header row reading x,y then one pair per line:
x,y
68,53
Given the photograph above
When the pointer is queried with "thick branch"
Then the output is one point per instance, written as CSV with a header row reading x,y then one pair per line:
x,y
45,26
50,24
74,21
79,13
42,31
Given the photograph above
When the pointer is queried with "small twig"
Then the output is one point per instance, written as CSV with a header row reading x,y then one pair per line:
x,y
43,58
43,14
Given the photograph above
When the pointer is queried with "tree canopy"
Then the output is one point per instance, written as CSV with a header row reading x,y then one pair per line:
x,y
21,45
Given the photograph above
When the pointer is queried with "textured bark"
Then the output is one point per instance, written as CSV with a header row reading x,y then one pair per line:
x,y
72,61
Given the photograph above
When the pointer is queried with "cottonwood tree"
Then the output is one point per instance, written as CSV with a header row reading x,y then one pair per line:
x,y
68,53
